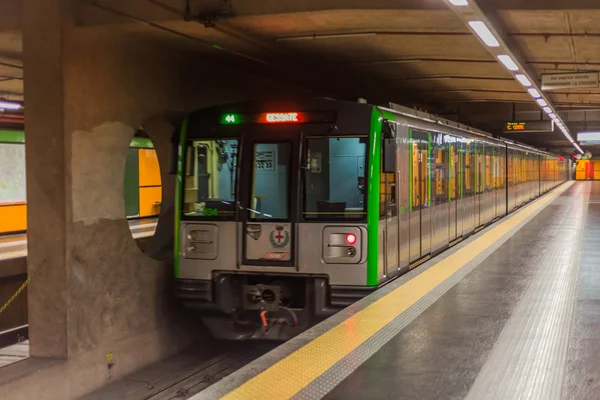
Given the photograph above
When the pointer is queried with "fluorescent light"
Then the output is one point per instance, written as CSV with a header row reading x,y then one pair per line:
x,y
547,110
542,102
523,79
534,93
552,115
9,105
484,33
459,3
508,62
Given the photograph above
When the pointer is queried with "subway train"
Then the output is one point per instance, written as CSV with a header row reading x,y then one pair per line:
x,y
142,183
287,212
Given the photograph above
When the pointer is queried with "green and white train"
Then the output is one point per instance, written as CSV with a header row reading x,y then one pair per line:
x,y
288,211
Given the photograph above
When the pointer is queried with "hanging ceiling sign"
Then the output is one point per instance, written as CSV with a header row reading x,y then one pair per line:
x,y
570,81
588,138
528,126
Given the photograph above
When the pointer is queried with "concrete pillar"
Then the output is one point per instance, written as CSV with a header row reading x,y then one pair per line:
x,y
94,293
47,178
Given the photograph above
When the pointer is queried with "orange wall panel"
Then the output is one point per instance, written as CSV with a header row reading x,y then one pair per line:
x,y
13,217
149,197
149,168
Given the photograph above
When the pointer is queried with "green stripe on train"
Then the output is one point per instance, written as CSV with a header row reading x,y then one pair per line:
x,y
179,195
374,172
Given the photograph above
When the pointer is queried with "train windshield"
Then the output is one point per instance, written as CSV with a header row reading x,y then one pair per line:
x,y
334,178
209,181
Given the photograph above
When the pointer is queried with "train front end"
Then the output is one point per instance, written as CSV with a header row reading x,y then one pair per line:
x,y
272,214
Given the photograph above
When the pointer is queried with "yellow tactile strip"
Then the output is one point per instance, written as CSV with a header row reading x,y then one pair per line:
x,y
291,374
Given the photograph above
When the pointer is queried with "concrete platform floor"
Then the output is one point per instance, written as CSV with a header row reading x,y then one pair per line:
x,y
511,313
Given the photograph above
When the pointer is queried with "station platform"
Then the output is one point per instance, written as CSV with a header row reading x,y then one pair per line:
x,y
15,246
512,312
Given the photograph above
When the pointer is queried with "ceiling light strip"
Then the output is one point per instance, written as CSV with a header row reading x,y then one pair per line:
x,y
472,16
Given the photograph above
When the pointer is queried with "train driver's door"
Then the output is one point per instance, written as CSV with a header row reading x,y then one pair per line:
x,y
268,203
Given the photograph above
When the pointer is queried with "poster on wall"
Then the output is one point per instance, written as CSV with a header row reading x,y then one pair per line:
x,y
12,173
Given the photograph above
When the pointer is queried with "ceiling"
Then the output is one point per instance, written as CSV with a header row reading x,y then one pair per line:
x,y
413,52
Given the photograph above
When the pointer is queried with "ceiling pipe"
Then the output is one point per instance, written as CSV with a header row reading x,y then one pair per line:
x,y
446,77
94,3
344,35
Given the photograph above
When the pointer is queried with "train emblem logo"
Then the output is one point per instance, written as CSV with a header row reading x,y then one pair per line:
x,y
279,238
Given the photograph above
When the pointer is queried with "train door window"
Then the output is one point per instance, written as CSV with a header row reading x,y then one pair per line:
x,y
440,157
510,167
502,171
416,198
270,197
452,161
387,194
469,171
425,178
481,168
478,156
488,168
210,174
419,169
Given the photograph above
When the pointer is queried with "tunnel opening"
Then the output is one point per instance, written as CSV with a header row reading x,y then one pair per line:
x,y
142,189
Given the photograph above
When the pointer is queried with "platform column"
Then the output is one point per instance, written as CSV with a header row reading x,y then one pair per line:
x,y
47,185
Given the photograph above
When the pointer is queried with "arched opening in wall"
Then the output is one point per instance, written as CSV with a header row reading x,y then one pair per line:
x,y
13,188
142,188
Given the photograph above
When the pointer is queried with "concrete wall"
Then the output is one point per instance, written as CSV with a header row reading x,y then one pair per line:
x,y
94,292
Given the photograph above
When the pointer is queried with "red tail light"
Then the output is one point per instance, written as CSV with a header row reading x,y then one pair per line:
x,y
351,239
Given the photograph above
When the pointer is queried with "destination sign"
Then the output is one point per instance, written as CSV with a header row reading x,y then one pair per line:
x,y
288,117
576,80
528,126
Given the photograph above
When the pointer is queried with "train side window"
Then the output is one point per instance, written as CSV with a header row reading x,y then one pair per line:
x,y
210,178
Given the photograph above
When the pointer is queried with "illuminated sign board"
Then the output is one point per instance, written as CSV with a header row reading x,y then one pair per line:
x,y
528,126
287,117
575,80
588,138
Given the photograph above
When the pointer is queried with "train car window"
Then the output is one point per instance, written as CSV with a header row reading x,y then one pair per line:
x,y
334,178
210,178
